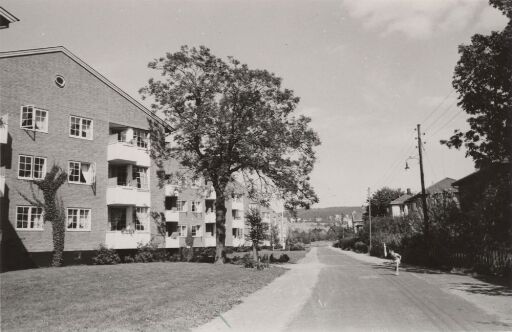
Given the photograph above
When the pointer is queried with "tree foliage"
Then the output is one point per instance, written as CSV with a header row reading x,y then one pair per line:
x,y
231,123
53,209
483,79
380,201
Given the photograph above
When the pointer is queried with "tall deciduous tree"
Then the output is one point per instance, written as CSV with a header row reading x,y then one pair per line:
x,y
230,123
483,79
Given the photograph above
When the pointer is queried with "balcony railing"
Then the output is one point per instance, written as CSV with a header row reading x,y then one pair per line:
x,y
209,240
126,240
127,195
237,205
209,217
127,152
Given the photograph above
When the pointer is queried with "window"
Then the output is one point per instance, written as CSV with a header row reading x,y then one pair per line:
x,y
78,219
33,118
80,127
141,218
140,177
238,233
59,81
181,206
196,230
237,214
79,172
140,138
196,206
182,230
117,218
29,217
31,168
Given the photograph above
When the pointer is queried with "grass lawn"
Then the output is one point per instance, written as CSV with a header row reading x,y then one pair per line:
x,y
295,256
134,297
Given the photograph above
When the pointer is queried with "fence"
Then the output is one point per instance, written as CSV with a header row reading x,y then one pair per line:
x,y
495,261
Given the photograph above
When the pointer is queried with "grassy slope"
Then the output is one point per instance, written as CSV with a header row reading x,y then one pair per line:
x,y
151,296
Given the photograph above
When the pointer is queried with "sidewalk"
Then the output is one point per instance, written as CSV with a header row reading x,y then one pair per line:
x,y
274,306
491,298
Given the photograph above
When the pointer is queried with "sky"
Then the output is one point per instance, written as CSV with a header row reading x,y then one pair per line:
x,y
367,71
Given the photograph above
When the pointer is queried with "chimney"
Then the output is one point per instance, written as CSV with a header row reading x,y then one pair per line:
x,y
409,191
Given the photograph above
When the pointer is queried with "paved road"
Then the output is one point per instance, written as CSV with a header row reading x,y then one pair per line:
x,y
354,295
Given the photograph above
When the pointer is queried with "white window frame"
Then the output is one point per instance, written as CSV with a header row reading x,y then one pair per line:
x,y
182,230
144,180
143,223
181,206
29,218
92,174
144,138
32,167
34,110
78,215
196,207
196,230
80,127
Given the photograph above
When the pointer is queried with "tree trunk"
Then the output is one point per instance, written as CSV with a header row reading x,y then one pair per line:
x,y
58,232
255,252
220,222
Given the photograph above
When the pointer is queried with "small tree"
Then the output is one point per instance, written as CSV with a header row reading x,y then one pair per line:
x,y
53,209
257,230
274,236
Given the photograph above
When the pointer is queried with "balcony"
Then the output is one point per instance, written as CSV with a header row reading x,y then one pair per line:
x,y
238,242
172,216
171,190
126,152
238,223
209,240
127,195
172,241
2,181
237,205
122,240
209,217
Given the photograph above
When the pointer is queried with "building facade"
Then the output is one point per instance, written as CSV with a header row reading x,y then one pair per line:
x,y
56,110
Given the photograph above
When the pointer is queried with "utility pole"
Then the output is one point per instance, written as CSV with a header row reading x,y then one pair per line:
x,y
370,219
423,194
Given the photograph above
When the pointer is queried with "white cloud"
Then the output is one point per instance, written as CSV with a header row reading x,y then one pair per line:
x,y
419,19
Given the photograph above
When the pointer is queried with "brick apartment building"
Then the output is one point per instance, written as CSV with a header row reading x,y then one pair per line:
x,y
57,110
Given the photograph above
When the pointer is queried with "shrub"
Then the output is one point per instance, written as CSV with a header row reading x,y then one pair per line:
x,y
297,246
247,261
347,243
284,258
149,253
128,259
360,247
105,256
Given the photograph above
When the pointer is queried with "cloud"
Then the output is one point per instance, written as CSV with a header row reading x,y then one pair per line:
x,y
420,19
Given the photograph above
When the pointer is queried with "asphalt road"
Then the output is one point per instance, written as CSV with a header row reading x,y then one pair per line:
x,y
359,296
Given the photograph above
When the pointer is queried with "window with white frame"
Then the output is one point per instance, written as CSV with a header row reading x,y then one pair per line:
x,y
80,172
140,138
80,127
29,217
238,233
31,168
181,206
141,218
140,177
196,230
33,118
237,214
182,230
196,206
78,219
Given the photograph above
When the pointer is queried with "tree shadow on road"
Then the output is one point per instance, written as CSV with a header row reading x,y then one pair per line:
x,y
406,268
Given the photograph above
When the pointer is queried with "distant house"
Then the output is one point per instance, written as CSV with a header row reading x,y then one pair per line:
x,y
6,18
357,220
472,186
444,187
399,207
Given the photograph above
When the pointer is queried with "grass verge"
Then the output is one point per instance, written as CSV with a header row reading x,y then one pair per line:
x,y
133,297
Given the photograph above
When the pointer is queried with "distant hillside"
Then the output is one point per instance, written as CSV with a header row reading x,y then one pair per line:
x,y
324,213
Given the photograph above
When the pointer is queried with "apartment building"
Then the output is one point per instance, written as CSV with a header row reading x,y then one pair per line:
x,y
57,110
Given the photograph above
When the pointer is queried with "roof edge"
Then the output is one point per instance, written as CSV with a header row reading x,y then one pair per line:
x,y
56,49
10,17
